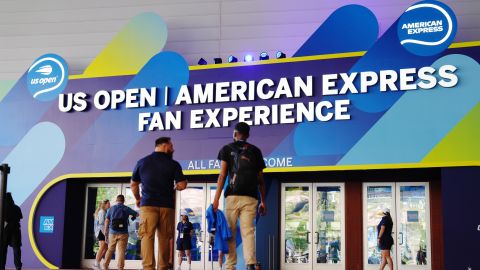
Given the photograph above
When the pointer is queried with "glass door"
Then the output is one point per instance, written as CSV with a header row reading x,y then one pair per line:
x,y
212,256
194,201
191,202
133,258
94,195
296,226
313,226
409,209
413,226
329,226
296,241
376,197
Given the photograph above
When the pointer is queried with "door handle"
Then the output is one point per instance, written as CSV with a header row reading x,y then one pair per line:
x,y
308,237
400,236
317,238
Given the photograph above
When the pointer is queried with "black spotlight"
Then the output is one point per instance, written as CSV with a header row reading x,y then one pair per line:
x,y
264,56
232,59
217,60
280,55
202,61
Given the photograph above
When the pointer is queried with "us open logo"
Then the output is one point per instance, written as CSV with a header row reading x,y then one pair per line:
x,y
47,77
427,28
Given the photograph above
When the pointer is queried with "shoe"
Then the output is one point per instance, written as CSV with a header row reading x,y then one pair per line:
x,y
250,267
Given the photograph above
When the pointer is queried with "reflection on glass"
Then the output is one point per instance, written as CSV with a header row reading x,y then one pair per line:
x,y
95,196
133,246
297,219
412,229
329,225
191,204
378,197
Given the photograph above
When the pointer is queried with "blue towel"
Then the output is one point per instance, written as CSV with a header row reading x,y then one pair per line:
x,y
222,231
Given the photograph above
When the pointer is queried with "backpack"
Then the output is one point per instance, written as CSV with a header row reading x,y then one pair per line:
x,y
244,168
119,220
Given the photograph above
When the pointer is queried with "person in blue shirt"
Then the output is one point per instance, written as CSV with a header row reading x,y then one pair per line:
x,y
184,240
116,231
159,176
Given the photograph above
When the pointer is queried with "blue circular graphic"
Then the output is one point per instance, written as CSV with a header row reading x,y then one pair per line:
x,y
427,28
47,77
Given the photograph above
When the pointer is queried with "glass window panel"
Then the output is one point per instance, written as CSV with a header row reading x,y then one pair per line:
x,y
214,254
134,243
378,197
191,203
413,228
297,224
94,196
329,225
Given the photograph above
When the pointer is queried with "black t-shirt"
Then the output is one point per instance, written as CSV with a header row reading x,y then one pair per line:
x,y
184,228
227,154
13,215
158,173
387,222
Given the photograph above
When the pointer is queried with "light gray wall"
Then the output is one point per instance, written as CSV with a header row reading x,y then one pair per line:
x,y
78,30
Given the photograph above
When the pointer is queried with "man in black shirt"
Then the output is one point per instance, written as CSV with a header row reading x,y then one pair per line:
x,y
12,235
244,164
159,176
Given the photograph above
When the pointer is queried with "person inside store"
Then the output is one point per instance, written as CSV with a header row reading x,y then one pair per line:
x,y
385,239
116,231
99,217
243,163
12,234
160,176
184,241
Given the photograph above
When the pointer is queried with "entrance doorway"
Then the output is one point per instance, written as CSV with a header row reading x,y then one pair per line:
x,y
194,201
94,195
313,226
409,208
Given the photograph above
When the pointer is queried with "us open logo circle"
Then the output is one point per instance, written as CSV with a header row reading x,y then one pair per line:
x,y
47,77
427,28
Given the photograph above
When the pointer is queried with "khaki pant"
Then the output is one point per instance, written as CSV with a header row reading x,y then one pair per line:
x,y
113,239
160,220
245,209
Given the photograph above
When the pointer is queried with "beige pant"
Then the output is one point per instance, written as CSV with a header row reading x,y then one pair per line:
x,y
245,209
113,240
160,220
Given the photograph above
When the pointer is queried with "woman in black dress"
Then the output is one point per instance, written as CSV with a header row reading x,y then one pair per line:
x,y
385,239
184,240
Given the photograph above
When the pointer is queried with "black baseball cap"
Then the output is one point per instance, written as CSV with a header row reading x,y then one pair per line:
x,y
243,128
